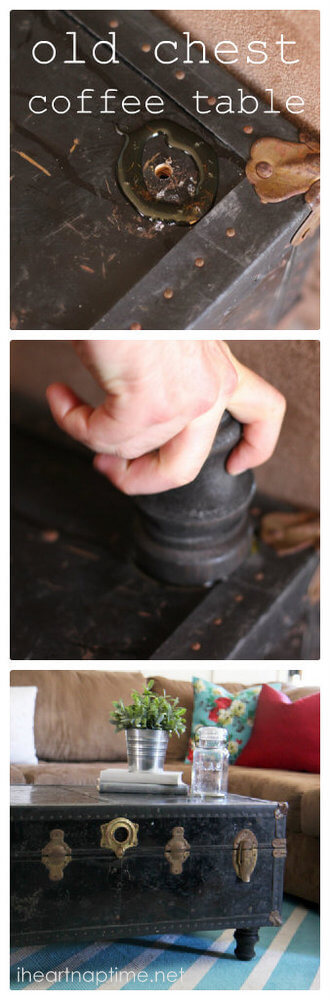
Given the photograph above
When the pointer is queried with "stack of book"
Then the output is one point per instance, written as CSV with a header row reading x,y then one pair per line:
x,y
142,782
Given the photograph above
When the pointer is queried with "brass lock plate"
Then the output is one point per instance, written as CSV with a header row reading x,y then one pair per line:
x,y
245,854
177,850
119,835
168,173
56,855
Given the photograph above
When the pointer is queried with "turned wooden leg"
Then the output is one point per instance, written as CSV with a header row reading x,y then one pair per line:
x,y
201,532
246,938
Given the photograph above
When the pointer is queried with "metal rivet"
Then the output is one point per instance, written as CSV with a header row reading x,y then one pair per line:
x,y
168,294
180,74
231,231
248,129
135,326
146,47
199,262
113,24
196,646
264,169
212,101
217,621
50,535
239,598
259,576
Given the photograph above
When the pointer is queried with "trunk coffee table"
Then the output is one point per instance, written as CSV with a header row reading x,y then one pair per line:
x,y
90,867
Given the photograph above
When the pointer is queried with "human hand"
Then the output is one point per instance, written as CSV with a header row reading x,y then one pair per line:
x,y
163,404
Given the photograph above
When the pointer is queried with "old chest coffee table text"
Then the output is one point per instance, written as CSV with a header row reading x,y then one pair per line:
x,y
131,219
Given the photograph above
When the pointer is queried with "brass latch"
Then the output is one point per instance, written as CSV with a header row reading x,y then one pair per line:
x,y
119,835
56,855
245,854
279,170
177,850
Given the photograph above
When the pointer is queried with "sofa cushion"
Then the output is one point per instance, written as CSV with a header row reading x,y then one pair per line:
x,y
17,776
285,734
183,690
72,773
22,711
302,867
296,692
72,712
300,790
216,705
310,812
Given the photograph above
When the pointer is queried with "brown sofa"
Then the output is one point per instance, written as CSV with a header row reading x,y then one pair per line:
x,y
74,741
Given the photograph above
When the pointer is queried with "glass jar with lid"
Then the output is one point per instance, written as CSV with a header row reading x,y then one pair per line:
x,y
209,776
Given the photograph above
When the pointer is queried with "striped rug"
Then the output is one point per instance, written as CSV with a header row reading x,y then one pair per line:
x,y
287,958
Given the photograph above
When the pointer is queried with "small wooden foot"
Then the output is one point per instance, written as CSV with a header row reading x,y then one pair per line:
x,y
246,939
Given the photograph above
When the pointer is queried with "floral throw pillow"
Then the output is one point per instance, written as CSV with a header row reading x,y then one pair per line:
x,y
215,706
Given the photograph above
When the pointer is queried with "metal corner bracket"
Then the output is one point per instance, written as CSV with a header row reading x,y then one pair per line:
x,y
279,170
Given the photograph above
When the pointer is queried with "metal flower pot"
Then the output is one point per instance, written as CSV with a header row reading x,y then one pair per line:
x,y
146,749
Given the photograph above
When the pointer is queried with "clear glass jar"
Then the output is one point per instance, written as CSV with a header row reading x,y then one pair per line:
x,y
209,776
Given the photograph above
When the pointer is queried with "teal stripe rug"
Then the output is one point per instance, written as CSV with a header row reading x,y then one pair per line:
x,y
287,958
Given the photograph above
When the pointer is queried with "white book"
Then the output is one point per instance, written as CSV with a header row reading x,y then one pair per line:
x,y
115,788
115,775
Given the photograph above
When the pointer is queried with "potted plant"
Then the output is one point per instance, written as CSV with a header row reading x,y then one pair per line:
x,y
148,723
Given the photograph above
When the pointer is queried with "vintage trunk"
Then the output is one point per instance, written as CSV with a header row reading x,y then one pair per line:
x,y
83,255
89,867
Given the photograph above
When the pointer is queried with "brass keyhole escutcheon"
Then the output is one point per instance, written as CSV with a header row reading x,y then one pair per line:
x,y
245,854
119,835
138,179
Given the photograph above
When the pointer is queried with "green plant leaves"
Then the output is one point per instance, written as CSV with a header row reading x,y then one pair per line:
x,y
149,711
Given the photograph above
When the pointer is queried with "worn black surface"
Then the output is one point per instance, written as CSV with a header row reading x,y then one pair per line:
x,y
82,255
78,594
200,532
78,244
245,616
101,896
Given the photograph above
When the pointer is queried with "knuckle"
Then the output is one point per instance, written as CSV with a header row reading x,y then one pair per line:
x,y
127,488
229,374
126,452
278,404
205,401
266,454
208,397
122,483
230,378
182,477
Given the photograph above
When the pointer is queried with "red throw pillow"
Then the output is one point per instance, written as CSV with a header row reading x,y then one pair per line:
x,y
285,735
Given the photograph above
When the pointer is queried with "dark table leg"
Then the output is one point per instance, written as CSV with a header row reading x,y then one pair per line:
x,y
201,532
246,939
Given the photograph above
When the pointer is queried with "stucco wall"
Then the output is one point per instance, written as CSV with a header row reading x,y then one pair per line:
x,y
241,27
